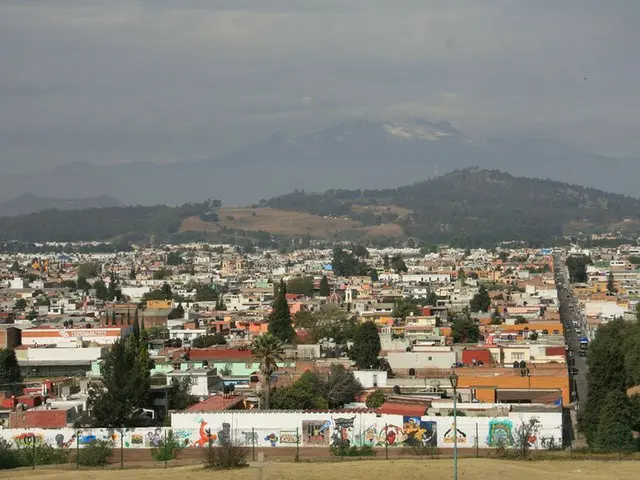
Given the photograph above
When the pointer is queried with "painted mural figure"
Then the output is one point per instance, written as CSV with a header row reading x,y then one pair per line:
x,y
224,435
500,433
342,432
449,436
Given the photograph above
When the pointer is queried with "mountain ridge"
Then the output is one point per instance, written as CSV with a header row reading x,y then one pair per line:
x,y
354,154
28,203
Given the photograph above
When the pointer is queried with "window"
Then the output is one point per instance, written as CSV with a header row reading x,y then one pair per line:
x,y
430,358
375,380
517,356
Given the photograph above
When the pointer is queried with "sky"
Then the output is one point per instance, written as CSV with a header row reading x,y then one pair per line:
x,y
163,80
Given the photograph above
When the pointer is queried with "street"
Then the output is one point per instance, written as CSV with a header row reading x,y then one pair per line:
x,y
575,326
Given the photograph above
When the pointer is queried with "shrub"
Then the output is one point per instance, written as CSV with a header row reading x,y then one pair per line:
x,y
96,453
44,454
226,456
167,450
8,456
344,450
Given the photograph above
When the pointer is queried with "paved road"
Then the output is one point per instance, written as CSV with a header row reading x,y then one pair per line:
x,y
575,326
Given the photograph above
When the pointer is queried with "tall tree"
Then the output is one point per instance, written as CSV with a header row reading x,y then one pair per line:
x,y
366,346
397,263
464,329
606,373
462,276
386,262
481,302
611,286
125,386
324,287
613,431
268,350
280,317
10,377
136,326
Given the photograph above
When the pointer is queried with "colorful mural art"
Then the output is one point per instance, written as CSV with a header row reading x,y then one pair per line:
x,y
27,439
315,429
500,432
288,437
316,433
342,431
419,433
272,438
454,435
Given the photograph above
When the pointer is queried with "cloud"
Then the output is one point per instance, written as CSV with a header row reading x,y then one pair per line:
x,y
158,79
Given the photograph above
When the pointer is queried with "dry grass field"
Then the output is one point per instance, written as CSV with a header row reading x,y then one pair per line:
x,y
281,222
469,469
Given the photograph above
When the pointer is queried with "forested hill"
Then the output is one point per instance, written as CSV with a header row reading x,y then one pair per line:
x,y
127,224
468,207
477,207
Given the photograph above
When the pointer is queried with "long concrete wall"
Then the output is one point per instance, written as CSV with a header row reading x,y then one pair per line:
x,y
284,429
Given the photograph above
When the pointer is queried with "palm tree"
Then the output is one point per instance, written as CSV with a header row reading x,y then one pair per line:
x,y
268,350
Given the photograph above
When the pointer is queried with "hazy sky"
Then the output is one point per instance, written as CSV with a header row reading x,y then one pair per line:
x,y
161,80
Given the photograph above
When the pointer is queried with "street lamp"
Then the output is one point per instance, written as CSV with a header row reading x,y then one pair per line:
x,y
453,378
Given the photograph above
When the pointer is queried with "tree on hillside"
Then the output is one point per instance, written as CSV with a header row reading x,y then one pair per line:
x,y
464,329
174,258
303,394
366,346
205,293
406,307
462,276
577,265
180,396
346,264
301,285
386,262
82,284
613,432
360,251
324,290
397,263
606,372
432,298
329,321
102,293
280,317
314,391
10,377
125,386
267,350
20,304
481,302
373,275
340,387
611,286
376,399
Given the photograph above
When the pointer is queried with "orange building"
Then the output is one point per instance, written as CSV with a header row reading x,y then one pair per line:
x,y
488,382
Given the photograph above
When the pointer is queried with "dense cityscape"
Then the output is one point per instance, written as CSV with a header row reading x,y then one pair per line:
x,y
359,346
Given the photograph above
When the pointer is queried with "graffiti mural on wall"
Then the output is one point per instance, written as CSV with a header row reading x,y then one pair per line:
x,y
249,437
289,437
204,435
500,432
452,435
342,431
28,439
316,433
272,438
418,432
62,443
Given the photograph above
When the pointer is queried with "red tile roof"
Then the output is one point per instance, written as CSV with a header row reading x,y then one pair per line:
x,y
407,409
215,403
214,354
